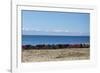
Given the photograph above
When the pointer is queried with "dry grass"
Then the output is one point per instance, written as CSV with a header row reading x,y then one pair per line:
x,y
55,54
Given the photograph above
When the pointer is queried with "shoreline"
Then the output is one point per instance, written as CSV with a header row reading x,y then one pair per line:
x,y
55,46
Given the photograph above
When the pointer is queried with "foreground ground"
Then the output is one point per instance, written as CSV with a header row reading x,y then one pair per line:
x,y
55,54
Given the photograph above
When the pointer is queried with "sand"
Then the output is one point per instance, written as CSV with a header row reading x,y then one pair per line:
x,y
34,55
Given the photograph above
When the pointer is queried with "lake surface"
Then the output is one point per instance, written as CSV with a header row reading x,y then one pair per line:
x,y
43,39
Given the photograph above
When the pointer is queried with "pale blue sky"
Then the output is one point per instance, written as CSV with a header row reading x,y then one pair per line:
x,y
55,23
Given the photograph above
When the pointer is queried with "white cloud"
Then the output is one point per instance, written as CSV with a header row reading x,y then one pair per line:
x,y
59,30
30,29
41,30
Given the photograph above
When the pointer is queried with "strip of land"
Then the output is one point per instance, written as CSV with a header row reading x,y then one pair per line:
x,y
63,54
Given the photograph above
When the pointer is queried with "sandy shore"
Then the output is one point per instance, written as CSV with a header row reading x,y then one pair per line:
x,y
55,54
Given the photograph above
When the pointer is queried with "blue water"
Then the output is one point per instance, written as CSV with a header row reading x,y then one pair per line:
x,y
37,39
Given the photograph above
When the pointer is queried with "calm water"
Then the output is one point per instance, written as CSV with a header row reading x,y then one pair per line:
x,y
36,39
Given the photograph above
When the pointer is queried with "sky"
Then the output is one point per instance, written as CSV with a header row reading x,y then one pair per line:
x,y
55,23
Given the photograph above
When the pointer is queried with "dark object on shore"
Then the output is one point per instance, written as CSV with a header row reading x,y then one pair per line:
x,y
54,46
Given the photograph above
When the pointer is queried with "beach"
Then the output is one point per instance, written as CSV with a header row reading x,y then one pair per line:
x,y
64,54
54,36
41,48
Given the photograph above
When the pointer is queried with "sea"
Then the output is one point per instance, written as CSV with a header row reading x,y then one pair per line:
x,y
49,39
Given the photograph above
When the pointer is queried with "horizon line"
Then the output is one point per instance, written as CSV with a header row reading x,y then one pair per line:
x,y
54,35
